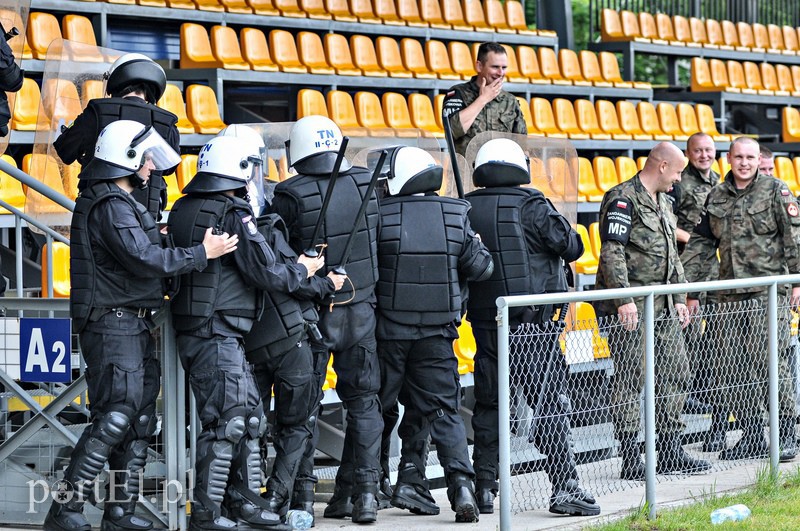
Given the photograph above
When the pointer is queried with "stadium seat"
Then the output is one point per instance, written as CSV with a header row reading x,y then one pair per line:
x,y
515,16
42,29
414,59
255,50
312,54
337,51
528,65
389,57
724,166
610,69
11,189
474,15
665,30
61,279
343,112
762,40
608,121
566,121
586,264
172,100
512,72
173,190
629,120
284,52
370,114
264,7
431,12
625,167
422,114
668,119
571,67
587,120
340,10
590,69
461,58
395,111
648,118
587,185
25,108
619,26
362,9
543,118
315,9
78,28
716,37
439,61
687,118
769,78
796,163
649,29
225,46
91,89
454,15
784,170
386,10
196,47
736,77
594,237
548,63
203,110
60,101
699,35
752,74
310,102
775,34
438,104
186,169
495,16
465,348
701,76
209,5
683,32
525,108
44,168
796,76
746,38
231,6
408,11
605,173
289,8
790,119
364,56
790,40
729,35
785,81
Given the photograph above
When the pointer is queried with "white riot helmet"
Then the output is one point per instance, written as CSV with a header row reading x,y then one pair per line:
x,y
134,69
225,163
122,149
410,170
313,144
501,162
255,142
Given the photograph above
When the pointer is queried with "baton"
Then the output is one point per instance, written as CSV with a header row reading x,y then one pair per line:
x,y
340,269
13,32
312,252
448,136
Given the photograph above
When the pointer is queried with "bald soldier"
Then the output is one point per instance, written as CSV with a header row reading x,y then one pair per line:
x,y
639,248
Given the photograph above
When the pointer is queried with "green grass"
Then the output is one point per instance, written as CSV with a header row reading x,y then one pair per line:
x,y
774,505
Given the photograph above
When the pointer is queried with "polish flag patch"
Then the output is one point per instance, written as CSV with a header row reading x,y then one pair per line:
x,y
784,192
622,204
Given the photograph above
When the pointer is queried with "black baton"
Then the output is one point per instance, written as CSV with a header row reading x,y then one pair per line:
x,y
448,136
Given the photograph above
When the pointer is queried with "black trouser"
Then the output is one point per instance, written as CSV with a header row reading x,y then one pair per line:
x,y
291,377
426,370
528,367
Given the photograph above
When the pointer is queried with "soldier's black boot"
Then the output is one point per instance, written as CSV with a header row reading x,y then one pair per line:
x,y
632,467
122,517
673,458
365,503
211,472
412,493
385,493
242,501
340,505
787,439
715,437
569,498
753,444
275,501
66,516
461,494
303,498
486,492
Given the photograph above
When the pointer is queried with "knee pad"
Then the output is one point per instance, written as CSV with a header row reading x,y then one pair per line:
x,y
111,427
257,423
231,429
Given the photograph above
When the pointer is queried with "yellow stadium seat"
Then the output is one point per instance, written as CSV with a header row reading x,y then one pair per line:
x,y
796,162
11,189
698,33
525,108
78,28
649,28
225,46
762,40
683,32
370,114
528,65
387,12
408,11
311,102
465,348
548,63
422,114
60,100
620,26
337,51
389,57
668,119
769,78
289,8
172,100
586,264
608,120
438,106
343,112
25,108
496,16
587,185
543,118
454,15
196,47
566,120
571,67
736,77
752,75
790,39
587,120
362,9
42,29
796,76
312,54
315,9
431,12
91,89
785,81
202,109
61,282
231,6
640,162
255,50
340,10
724,166
264,7
45,169
648,118
609,67
707,123
747,42
586,320
186,170
439,61
461,58
790,130
775,34
629,120
716,37
284,52
364,56
474,16
665,30
784,170
731,36
626,168
414,59
590,69
605,172
687,118
515,16
209,5
173,190
701,76
395,111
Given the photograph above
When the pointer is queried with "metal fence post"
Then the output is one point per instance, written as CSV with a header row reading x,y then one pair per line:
x,y
649,406
774,432
504,413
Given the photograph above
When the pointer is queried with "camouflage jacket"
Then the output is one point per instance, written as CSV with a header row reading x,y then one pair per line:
x,y
501,114
691,196
757,232
638,245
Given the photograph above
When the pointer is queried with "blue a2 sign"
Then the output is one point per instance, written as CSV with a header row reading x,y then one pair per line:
x,y
44,350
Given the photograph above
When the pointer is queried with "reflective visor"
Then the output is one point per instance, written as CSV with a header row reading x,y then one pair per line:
x,y
155,149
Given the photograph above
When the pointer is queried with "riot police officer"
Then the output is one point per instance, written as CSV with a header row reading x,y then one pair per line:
x,y
347,322
212,312
116,269
426,250
530,243
135,83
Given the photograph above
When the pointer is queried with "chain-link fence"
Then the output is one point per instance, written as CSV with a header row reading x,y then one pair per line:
x,y
680,396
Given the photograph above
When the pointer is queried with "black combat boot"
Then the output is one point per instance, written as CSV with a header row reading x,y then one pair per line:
x,y
365,503
486,492
385,493
461,494
340,505
673,458
632,467
569,498
715,437
787,439
412,493
67,516
751,445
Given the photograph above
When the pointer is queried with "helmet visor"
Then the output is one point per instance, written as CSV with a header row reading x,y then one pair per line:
x,y
255,184
154,149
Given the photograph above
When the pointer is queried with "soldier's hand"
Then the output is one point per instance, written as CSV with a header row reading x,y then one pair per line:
x,y
490,91
312,264
693,305
628,316
218,244
683,315
338,280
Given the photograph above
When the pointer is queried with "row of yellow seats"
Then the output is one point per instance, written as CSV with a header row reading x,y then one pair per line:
x,y
44,28
680,31
746,77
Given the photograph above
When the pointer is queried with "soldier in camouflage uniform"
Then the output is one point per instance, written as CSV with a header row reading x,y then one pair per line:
x,y
639,248
754,222
481,104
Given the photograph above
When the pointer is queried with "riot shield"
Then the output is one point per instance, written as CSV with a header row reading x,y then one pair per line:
x,y
553,168
14,18
73,74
